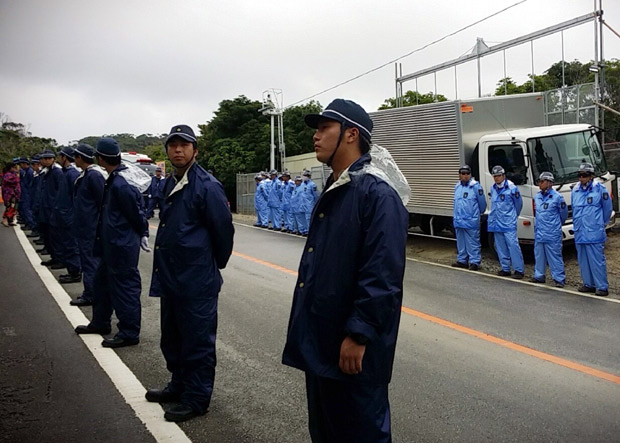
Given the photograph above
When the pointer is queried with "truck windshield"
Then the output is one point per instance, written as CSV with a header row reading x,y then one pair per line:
x,y
562,154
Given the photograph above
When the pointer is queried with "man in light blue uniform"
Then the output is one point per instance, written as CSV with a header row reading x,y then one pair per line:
x,y
551,212
258,199
469,203
275,197
299,218
309,197
506,205
287,187
592,209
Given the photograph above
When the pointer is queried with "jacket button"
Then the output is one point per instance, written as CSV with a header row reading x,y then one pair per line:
x,y
156,269
321,215
301,285
156,247
311,249
163,224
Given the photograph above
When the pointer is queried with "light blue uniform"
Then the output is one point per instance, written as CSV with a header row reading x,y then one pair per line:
x,y
260,206
275,197
469,203
285,205
592,209
506,205
263,197
308,200
551,213
299,217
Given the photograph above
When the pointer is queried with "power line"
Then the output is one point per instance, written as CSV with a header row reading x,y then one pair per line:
x,y
408,54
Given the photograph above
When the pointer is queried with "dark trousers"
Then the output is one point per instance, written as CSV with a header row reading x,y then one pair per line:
x,y
44,230
66,248
154,202
117,290
188,331
89,264
343,412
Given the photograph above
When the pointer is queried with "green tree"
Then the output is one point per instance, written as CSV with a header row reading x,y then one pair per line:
x,y
16,141
297,135
412,98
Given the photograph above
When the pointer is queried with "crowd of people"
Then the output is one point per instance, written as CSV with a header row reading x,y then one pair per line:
x,y
282,204
592,209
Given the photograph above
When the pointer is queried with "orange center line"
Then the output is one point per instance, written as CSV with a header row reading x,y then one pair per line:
x,y
475,333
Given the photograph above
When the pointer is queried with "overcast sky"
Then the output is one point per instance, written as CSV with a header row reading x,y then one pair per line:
x,y
73,68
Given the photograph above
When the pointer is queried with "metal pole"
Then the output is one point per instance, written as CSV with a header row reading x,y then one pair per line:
x,y
435,77
533,81
505,76
596,64
563,88
417,94
456,85
603,85
563,63
396,97
479,81
272,158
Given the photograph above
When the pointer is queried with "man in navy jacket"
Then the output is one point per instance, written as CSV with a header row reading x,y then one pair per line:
x,y
346,307
88,196
194,241
156,193
122,230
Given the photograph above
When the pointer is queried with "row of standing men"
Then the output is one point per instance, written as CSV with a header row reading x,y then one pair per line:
x,y
592,210
286,204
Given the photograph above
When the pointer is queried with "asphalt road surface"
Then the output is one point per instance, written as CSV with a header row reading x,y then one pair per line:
x,y
478,359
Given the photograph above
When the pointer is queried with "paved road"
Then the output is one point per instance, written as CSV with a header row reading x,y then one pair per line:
x,y
466,367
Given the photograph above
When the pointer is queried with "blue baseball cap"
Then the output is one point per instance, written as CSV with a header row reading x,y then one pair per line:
x,y
48,153
347,113
108,147
35,159
85,150
182,131
68,152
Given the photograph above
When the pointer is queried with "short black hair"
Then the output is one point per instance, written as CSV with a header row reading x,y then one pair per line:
x,y
364,145
112,161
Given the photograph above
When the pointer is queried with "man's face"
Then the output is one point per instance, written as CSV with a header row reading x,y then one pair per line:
x,y
24,165
47,162
158,174
35,166
180,152
285,178
584,177
464,176
297,182
325,139
544,185
498,178
62,160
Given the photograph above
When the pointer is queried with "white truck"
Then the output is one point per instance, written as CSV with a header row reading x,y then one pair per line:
x,y
430,142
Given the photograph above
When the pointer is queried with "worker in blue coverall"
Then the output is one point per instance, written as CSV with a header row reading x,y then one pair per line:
x,y
35,164
122,229
61,220
506,205
257,199
50,183
347,301
551,211
26,177
263,199
287,187
299,218
194,241
592,209
155,193
87,200
274,200
309,197
469,203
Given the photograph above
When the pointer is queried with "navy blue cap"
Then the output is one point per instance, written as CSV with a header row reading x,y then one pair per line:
x,y
48,153
35,159
85,150
108,147
24,160
183,131
347,113
68,152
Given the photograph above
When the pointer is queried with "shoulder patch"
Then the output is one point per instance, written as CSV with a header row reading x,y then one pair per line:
x,y
517,194
605,196
563,205
480,191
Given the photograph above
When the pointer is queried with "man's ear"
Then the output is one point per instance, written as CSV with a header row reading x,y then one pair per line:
x,y
354,134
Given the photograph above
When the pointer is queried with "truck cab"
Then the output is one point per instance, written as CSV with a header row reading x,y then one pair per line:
x,y
525,153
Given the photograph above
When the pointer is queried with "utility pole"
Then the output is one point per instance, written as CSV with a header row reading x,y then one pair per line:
x,y
273,106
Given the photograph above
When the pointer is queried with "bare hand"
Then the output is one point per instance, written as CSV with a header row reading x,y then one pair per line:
x,y
351,355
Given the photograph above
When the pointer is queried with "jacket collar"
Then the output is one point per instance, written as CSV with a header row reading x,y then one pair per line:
x,y
184,180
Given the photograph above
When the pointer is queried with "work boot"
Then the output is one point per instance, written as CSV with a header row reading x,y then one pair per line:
x,y
518,275
70,278
602,292
535,280
588,289
458,264
558,284
503,273
474,267
49,262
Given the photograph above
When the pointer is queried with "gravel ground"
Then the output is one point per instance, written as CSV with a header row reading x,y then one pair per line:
x,y
443,251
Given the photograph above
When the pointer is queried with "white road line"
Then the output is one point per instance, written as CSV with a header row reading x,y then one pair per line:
x,y
537,285
151,414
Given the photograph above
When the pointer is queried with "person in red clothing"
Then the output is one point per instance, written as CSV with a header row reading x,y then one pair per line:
x,y
11,192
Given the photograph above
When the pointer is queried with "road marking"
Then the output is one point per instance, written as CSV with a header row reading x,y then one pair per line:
x,y
151,414
475,333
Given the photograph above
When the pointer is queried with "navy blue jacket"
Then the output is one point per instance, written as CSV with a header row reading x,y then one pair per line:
x,y
156,188
194,239
350,279
62,214
87,199
37,183
121,224
50,183
26,183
